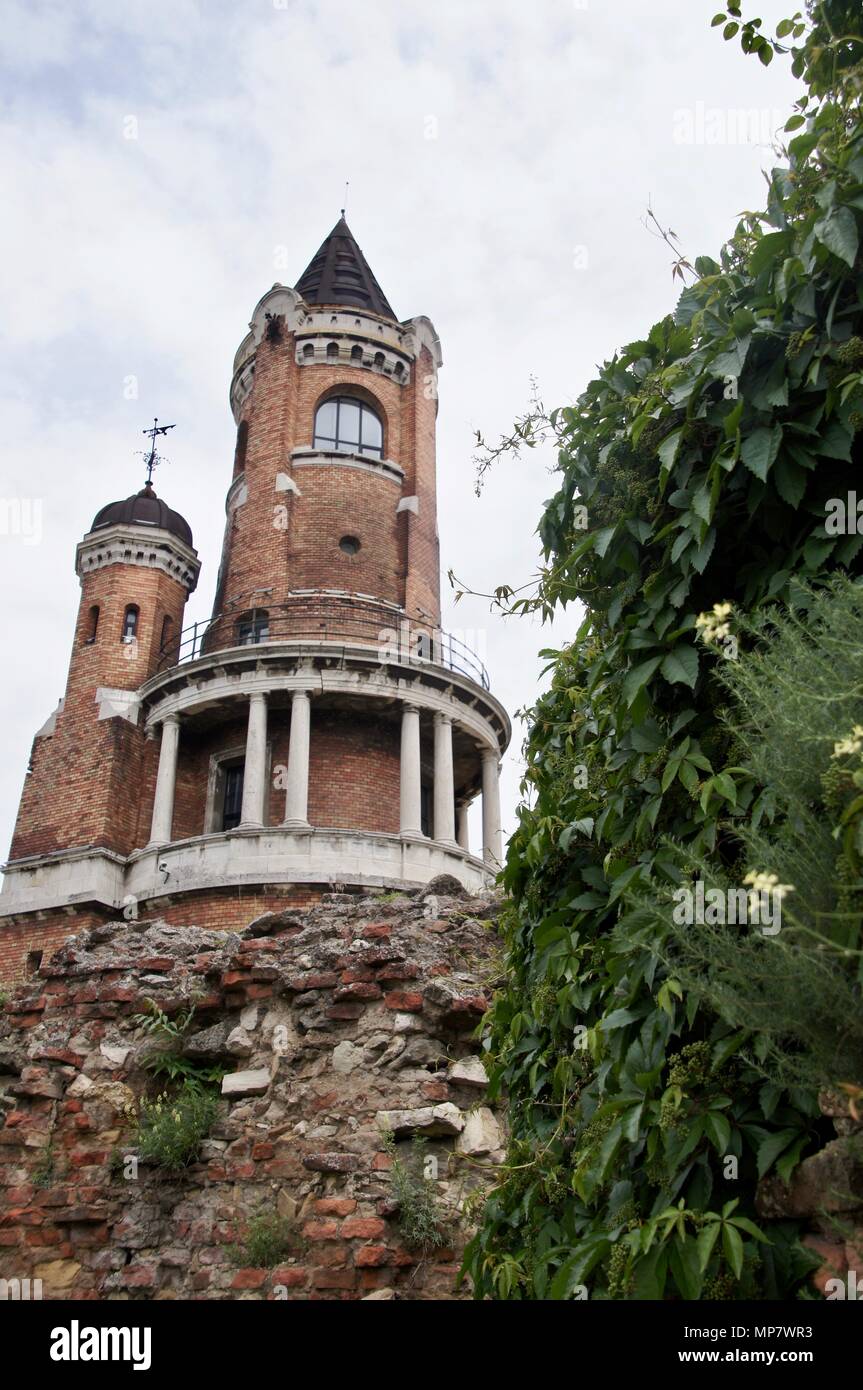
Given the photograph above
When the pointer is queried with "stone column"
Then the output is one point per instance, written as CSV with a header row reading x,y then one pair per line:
x,y
444,791
255,771
410,821
297,791
166,781
463,831
492,848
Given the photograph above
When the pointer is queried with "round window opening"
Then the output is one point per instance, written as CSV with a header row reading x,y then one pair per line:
x,y
349,544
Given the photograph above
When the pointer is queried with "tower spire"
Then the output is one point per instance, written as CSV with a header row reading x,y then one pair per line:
x,y
340,274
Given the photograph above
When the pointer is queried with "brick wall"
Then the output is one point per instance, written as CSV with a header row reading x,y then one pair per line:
x,y
87,778
332,1026
280,541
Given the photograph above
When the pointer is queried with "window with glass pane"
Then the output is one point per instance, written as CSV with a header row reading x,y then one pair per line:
x,y
348,426
253,628
232,804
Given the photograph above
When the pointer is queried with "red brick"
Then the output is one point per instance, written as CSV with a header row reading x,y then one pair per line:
x,y
321,1230
334,1278
404,1002
371,1255
364,1227
335,1206
250,1278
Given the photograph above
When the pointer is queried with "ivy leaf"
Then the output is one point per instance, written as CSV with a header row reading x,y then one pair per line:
x,y
680,665
602,539
719,1130
732,1245
707,1238
771,1147
725,786
638,678
835,442
790,480
760,448
686,1267
839,234
667,451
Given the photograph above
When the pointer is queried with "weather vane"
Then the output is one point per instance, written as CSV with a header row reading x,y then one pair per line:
x,y
152,459
347,186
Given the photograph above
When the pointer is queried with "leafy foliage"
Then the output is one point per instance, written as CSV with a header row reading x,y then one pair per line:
x,y
269,1239
170,1064
707,456
797,718
171,1127
420,1217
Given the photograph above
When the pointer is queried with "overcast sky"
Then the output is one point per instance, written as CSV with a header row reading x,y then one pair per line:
x,y
165,161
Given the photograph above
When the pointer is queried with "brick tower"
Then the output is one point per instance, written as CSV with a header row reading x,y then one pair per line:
x,y
320,728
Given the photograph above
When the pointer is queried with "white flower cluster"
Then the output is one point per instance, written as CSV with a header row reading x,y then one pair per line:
x,y
766,883
852,744
714,626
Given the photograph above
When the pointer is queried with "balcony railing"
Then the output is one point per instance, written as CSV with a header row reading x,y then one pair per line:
x,y
313,618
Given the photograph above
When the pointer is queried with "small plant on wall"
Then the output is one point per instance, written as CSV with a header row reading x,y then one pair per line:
x,y
420,1217
172,1127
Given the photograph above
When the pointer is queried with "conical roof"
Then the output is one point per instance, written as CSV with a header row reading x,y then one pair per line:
x,y
144,508
340,274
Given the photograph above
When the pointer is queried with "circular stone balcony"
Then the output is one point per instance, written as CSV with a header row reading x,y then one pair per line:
x,y
307,679
326,616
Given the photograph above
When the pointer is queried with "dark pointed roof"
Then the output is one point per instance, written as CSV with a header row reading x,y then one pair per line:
x,y
340,274
144,508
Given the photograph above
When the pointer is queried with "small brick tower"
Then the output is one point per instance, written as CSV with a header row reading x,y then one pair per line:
x,y
320,728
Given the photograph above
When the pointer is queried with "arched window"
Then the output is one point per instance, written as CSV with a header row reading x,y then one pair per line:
x,y
130,623
253,627
332,350
92,623
356,353
309,350
349,426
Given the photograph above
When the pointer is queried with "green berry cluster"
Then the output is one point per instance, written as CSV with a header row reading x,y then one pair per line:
x,y
690,1067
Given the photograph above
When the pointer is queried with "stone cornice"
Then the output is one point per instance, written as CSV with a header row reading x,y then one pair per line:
x,y
134,545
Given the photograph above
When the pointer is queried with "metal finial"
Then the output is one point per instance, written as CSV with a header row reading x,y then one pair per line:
x,y
152,459
347,186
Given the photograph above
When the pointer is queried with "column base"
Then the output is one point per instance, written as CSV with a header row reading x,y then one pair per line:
x,y
296,824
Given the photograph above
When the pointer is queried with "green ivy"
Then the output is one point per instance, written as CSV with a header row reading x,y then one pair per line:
x,y
707,457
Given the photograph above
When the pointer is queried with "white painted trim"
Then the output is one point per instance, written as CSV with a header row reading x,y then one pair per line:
x,y
340,458
275,855
132,545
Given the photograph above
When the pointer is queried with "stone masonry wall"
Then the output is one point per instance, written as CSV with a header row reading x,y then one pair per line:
x,y
335,1024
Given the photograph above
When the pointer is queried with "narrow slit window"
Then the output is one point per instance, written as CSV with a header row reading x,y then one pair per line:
x,y
130,623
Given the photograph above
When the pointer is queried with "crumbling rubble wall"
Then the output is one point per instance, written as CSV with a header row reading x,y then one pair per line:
x,y
334,1024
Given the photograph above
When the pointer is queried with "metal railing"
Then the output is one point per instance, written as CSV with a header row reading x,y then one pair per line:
x,y
322,618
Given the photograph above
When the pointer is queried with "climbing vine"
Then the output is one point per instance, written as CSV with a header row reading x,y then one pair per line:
x,y
705,472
